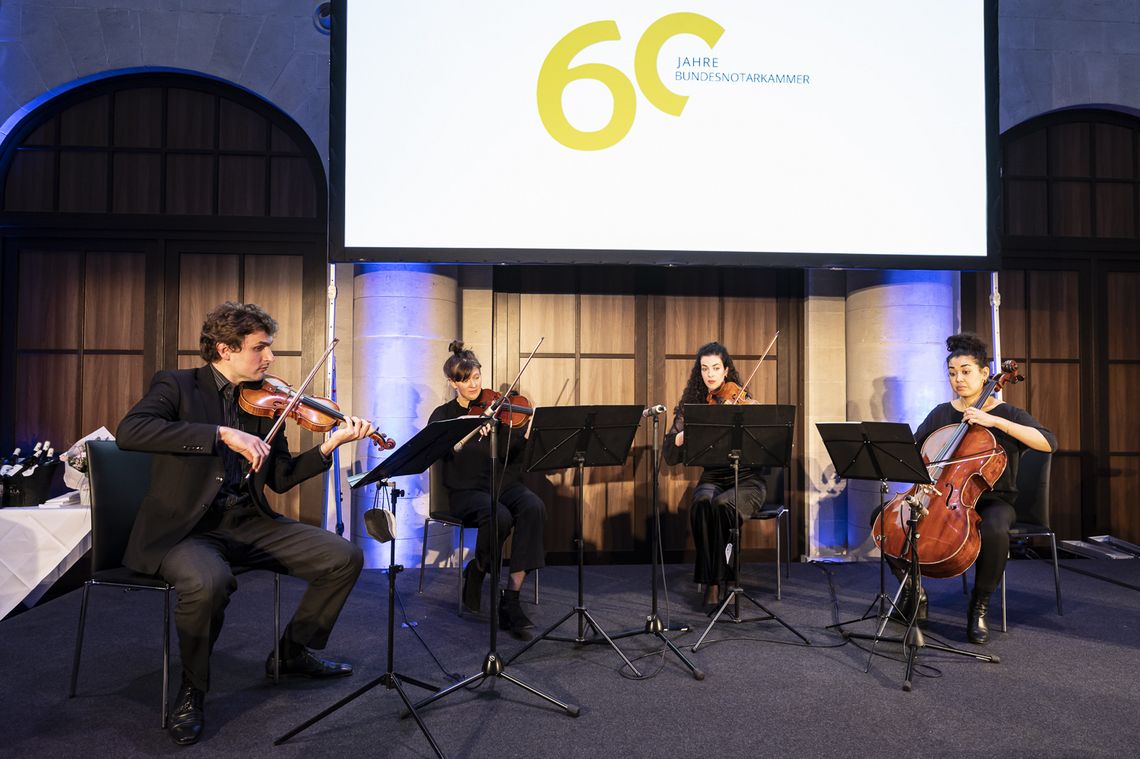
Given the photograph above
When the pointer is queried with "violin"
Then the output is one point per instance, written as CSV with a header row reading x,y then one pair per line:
x,y
731,394
515,413
271,397
964,461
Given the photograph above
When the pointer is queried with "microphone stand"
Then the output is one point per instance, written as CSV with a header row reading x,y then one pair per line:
x,y
653,624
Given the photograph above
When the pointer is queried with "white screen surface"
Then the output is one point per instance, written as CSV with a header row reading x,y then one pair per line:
x,y
810,127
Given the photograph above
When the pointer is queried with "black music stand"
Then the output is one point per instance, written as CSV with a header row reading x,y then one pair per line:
x,y
739,435
580,436
886,451
413,457
493,664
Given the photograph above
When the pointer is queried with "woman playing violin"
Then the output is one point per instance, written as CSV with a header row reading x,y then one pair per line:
x,y
467,477
1014,430
712,512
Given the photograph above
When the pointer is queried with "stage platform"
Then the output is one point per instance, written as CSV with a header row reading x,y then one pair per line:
x,y
1066,686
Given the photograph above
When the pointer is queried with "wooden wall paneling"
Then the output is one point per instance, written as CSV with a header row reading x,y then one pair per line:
x,y
1054,316
1071,203
1054,399
114,301
1123,323
276,283
1123,400
45,134
608,323
48,299
136,183
1026,155
1124,482
30,185
111,386
190,119
138,118
1013,314
291,188
1114,210
86,123
551,316
1114,155
1065,497
190,184
187,361
1026,207
240,128
287,504
1069,153
83,182
690,322
47,399
608,500
205,280
241,185
749,325
677,481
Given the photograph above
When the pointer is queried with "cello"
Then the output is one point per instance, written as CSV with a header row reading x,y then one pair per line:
x,y
963,461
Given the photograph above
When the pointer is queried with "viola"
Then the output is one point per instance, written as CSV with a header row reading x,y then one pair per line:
x,y
964,461
515,412
271,397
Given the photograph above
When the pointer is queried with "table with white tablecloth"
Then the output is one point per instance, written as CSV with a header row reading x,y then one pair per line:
x,y
37,545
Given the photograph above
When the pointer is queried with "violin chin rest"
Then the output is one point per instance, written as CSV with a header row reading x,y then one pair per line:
x,y
381,524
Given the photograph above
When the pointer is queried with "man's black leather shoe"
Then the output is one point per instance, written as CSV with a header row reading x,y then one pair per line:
x,y
188,718
307,664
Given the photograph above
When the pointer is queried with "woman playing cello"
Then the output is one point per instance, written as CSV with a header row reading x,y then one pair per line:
x,y
467,477
713,513
1015,431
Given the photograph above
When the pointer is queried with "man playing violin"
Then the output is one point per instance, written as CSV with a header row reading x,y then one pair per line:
x,y
467,478
713,513
205,509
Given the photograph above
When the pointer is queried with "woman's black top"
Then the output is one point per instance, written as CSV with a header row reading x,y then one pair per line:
x,y
470,469
1006,486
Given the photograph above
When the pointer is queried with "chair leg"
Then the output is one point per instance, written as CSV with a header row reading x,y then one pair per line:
x,y
460,563
1004,627
165,655
779,588
276,627
787,544
535,573
1056,572
423,554
79,640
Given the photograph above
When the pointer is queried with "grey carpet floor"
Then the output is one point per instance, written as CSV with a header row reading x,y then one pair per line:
x,y
1066,686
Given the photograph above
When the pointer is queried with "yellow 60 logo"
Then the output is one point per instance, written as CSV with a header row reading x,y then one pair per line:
x,y
556,73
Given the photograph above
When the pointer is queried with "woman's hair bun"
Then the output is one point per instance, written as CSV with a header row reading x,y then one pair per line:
x,y
456,347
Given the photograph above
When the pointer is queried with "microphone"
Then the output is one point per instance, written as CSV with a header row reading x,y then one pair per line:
x,y
653,411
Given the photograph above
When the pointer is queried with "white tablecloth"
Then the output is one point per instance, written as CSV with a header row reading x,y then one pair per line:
x,y
36,547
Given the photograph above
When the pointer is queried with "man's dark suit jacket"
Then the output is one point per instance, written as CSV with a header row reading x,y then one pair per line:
x,y
177,420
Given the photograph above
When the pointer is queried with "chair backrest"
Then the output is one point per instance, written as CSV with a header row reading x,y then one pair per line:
x,y
119,482
438,501
1033,487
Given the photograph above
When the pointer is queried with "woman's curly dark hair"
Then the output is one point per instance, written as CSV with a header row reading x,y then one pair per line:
x,y
695,390
967,344
460,363
228,324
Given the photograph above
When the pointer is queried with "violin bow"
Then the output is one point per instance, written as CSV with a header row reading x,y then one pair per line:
x,y
740,396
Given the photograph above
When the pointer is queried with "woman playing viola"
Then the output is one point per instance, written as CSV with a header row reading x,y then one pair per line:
x,y
712,513
467,477
1014,430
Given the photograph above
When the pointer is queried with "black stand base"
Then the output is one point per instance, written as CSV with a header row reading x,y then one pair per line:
x,y
735,593
584,619
655,627
493,666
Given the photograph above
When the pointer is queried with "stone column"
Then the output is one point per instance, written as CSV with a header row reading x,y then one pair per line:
x,y
897,323
404,317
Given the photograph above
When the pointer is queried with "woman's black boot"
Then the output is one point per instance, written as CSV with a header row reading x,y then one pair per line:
x,y
976,629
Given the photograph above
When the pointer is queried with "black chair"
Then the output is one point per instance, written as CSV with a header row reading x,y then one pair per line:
x,y
1032,509
438,513
775,507
119,481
